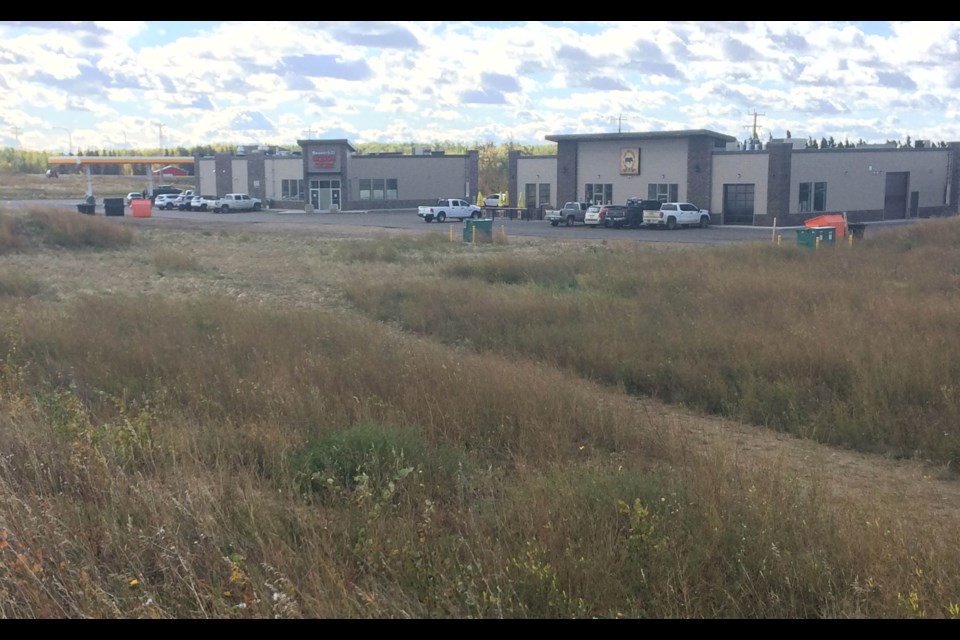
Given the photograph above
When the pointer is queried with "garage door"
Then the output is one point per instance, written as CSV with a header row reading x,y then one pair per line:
x,y
738,204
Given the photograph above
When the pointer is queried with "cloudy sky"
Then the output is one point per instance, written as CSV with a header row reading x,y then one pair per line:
x,y
115,85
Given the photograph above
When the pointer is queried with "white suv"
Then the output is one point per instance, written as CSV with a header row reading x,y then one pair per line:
x,y
166,201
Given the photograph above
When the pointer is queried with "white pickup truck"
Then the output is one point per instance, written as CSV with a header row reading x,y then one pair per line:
x,y
237,202
677,214
449,208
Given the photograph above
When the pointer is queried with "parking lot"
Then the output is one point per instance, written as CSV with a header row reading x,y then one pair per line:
x,y
408,221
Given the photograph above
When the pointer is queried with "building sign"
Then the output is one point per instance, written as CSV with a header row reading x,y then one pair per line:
x,y
629,162
323,160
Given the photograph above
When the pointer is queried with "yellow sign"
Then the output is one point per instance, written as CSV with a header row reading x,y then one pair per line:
x,y
629,162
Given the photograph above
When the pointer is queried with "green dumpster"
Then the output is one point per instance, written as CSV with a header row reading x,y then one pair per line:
x,y
89,209
483,228
808,237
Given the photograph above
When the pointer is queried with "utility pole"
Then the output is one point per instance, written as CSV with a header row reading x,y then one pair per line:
x,y
160,126
69,138
16,134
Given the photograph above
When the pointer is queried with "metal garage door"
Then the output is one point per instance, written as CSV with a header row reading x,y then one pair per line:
x,y
738,204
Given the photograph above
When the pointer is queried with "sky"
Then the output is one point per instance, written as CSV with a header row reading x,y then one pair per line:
x,y
69,86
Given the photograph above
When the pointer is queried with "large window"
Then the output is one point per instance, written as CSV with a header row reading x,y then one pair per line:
x,y
531,198
663,191
378,188
599,193
291,190
813,196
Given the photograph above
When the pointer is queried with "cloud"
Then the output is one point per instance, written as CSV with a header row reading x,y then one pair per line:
x,y
483,96
499,81
296,82
89,82
251,121
605,83
327,66
380,35
737,51
11,57
789,42
895,80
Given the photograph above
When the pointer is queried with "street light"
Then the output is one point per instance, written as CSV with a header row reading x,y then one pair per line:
x,y
69,138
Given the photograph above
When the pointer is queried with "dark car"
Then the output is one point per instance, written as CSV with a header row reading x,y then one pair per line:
x,y
614,216
164,189
634,213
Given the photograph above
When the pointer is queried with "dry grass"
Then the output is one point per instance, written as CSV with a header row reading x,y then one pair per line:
x,y
218,425
18,186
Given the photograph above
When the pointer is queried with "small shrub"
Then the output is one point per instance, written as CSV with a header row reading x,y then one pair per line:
x,y
15,284
172,260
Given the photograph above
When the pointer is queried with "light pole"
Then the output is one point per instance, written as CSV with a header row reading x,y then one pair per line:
x,y
69,138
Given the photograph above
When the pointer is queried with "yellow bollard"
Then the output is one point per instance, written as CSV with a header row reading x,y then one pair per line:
x,y
451,234
817,245
779,239
849,239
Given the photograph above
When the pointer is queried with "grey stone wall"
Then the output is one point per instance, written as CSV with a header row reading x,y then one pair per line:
x,y
566,172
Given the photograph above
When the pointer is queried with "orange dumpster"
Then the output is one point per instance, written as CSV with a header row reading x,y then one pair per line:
x,y
834,220
140,208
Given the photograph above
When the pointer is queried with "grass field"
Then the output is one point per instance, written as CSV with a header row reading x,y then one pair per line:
x,y
214,424
74,185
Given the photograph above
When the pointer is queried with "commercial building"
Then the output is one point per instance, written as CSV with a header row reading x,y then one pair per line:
x,y
750,183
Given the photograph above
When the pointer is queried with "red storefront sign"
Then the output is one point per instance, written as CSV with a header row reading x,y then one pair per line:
x,y
324,160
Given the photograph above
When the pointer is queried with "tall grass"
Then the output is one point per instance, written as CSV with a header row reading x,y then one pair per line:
x,y
212,459
58,228
849,345
206,456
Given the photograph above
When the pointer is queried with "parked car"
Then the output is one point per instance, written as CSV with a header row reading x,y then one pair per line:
x,y
203,203
166,201
495,200
182,201
237,202
604,215
637,211
678,214
164,189
133,195
592,215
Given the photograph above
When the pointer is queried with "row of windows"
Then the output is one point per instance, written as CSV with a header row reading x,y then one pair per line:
x,y
602,193
291,190
533,198
378,188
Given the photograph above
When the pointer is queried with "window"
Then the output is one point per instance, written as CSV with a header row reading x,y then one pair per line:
x,y
813,196
532,198
378,188
291,190
600,193
544,197
664,192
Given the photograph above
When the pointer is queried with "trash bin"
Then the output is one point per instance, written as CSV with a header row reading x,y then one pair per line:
x,y
483,228
834,220
88,209
141,208
808,237
856,229
113,206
